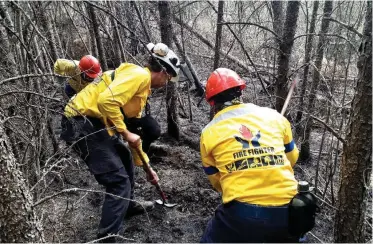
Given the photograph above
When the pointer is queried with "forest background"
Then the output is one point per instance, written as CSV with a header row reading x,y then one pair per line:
x,y
47,193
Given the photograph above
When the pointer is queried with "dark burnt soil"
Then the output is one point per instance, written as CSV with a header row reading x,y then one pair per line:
x,y
183,181
74,217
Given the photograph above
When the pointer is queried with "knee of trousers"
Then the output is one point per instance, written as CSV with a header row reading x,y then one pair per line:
x,y
120,188
115,181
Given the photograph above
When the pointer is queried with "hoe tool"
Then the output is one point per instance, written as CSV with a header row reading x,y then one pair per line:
x,y
164,201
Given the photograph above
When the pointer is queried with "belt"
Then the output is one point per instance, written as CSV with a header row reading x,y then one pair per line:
x,y
256,211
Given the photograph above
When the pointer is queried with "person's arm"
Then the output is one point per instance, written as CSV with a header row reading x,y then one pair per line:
x,y
65,67
115,96
151,175
291,149
209,166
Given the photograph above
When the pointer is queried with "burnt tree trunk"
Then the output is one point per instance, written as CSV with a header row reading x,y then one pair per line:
x,y
171,95
286,46
305,147
357,153
18,220
218,34
96,32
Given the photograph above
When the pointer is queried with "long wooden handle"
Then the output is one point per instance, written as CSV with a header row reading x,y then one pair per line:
x,y
289,96
147,169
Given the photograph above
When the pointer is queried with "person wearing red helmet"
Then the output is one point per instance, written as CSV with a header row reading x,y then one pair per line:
x,y
107,110
81,72
248,153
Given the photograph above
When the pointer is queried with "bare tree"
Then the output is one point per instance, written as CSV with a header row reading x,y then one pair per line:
x,y
307,59
120,56
278,18
357,153
218,34
7,58
145,29
171,95
131,24
48,29
18,220
305,147
286,46
95,28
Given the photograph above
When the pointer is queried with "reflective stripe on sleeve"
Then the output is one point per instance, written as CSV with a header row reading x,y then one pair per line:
x,y
289,147
210,170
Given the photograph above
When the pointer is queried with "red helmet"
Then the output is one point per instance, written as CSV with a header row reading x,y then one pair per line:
x,y
220,80
90,66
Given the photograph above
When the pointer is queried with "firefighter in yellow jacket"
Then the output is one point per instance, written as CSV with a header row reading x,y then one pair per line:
x,y
247,153
96,115
81,72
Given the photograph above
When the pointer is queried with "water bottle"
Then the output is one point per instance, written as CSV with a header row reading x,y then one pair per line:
x,y
304,190
302,210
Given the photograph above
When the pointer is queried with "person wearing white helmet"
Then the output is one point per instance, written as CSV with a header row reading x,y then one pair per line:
x,y
167,59
116,103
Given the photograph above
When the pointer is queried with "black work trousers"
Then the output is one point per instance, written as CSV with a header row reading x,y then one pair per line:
x,y
109,160
146,127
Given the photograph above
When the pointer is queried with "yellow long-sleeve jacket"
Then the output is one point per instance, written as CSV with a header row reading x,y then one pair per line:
x,y
70,68
248,152
105,98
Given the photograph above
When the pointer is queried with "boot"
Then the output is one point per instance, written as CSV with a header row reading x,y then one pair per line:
x,y
136,208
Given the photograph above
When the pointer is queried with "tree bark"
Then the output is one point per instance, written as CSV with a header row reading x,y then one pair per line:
x,y
357,152
305,147
18,220
171,95
7,58
286,46
100,46
218,34
278,18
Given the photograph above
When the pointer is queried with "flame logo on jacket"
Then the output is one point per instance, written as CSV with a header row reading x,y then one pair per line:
x,y
248,137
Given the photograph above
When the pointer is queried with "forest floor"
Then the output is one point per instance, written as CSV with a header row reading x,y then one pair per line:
x,y
74,217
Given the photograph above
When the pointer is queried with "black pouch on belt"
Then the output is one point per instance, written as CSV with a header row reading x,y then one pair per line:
x,y
302,213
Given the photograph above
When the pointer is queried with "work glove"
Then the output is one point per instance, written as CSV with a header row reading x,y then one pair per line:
x,y
152,176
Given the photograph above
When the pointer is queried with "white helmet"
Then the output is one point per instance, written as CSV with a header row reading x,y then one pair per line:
x,y
163,53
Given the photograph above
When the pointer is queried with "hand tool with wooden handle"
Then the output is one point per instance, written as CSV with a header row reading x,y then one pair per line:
x,y
157,186
289,95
